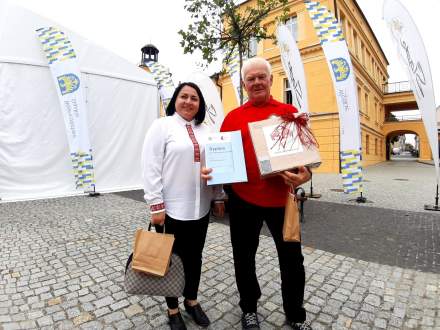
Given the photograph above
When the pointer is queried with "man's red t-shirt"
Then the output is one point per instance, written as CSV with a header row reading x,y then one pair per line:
x,y
270,192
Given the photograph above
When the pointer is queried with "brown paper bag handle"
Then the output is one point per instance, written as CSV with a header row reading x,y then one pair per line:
x,y
150,224
292,191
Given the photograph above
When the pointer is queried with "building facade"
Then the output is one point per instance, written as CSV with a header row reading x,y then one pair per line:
x,y
377,99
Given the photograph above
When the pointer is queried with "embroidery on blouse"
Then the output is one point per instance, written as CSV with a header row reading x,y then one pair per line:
x,y
195,144
157,207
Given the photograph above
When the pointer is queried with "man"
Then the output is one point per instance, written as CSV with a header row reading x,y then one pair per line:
x,y
260,200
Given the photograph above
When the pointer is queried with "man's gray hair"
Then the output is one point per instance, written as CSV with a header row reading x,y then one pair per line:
x,y
253,61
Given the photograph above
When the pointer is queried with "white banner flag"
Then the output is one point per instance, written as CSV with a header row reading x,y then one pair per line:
x,y
214,107
233,69
338,59
162,76
67,77
412,54
293,68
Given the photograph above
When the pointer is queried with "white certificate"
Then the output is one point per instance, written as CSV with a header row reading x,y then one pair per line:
x,y
224,154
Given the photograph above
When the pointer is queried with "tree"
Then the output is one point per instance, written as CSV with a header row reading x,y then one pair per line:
x,y
220,26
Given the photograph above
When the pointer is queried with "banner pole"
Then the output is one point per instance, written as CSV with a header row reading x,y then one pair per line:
x,y
94,193
311,194
361,199
436,197
433,207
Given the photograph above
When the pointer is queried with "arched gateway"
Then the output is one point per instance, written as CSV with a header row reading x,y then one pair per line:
x,y
392,129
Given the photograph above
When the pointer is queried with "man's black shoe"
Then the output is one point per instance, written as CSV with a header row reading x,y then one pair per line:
x,y
300,325
176,321
249,321
197,314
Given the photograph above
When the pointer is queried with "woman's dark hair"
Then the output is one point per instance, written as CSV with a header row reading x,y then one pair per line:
x,y
200,115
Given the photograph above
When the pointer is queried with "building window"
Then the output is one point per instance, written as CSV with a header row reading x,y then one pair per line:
x,y
363,54
292,26
376,73
287,92
367,144
366,103
342,22
369,61
268,44
348,36
375,147
356,44
360,99
376,111
253,47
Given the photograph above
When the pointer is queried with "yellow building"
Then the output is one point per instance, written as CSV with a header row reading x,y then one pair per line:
x,y
376,98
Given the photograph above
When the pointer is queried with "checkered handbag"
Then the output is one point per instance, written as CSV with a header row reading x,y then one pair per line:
x,y
170,285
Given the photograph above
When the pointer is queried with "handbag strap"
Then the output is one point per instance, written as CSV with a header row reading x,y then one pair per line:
x,y
130,258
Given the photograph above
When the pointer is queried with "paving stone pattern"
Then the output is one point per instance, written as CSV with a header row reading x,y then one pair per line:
x,y
388,236
392,237
400,185
62,262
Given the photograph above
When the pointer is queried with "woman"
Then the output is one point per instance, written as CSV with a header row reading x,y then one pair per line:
x,y
175,192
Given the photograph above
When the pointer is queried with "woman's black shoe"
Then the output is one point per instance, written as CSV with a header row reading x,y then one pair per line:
x,y
197,314
176,321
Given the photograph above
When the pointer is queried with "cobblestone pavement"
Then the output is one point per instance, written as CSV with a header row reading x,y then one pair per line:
x,y
62,262
400,185
391,237
410,239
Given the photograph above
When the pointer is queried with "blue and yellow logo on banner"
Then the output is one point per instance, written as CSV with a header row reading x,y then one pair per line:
x,y
68,83
327,26
161,74
56,46
82,163
341,68
351,171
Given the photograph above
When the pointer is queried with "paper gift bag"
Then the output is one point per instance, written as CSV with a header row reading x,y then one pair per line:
x,y
291,226
152,252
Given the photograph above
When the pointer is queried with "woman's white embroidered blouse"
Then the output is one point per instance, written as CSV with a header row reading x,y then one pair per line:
x,y
171,157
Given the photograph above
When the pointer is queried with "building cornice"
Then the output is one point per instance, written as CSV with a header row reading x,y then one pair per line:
x,y
311,49
368,128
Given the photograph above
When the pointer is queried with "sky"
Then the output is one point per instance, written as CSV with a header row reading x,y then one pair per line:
x,y
124,27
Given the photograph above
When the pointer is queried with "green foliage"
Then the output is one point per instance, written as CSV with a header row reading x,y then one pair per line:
x,y
409,147
220,26
395,139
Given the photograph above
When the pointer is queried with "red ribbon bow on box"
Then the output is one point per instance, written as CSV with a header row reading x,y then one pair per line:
x,y
283,130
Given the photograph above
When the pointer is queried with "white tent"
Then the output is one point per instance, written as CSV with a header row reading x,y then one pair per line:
x,y
122,101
